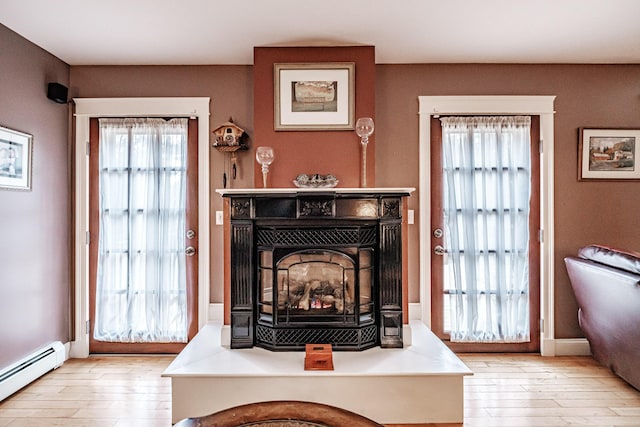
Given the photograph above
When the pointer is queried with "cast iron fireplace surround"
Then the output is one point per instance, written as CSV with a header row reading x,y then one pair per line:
x,y
316,266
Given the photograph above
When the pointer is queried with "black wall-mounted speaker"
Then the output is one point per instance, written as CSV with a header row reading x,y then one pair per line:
x,y
57,93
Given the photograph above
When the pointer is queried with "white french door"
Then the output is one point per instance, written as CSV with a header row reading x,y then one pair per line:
x,y
485,258
144,234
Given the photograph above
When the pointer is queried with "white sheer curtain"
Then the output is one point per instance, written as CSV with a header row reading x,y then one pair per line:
x,y
487,188
141,282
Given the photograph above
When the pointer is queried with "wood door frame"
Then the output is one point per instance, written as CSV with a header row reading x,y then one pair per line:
x,y
84,110
500,104
437,275
191,262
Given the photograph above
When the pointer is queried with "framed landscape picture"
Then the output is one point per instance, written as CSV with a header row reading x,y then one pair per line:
x,y
609,154
15,159
314,96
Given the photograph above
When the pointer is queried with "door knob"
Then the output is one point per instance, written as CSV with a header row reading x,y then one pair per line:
x,y
190,251
439,250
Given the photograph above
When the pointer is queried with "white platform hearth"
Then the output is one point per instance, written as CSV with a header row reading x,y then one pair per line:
x,y
422,383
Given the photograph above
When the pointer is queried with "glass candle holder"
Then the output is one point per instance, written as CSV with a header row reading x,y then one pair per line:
x,y
364,129
264,156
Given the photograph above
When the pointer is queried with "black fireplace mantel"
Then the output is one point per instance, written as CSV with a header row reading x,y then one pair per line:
x,y
310,218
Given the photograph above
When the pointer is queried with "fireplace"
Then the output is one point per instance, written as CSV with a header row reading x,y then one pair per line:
x,y
311,267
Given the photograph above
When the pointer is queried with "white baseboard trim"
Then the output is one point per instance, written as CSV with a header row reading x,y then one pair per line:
x,y
225,336
67,350
572,347
565,347
407,337
216,313
415,311
216,316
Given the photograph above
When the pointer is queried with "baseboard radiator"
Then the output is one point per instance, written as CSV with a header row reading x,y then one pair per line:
x,y
32,367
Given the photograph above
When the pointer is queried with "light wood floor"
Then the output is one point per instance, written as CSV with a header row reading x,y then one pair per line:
x,y
505,390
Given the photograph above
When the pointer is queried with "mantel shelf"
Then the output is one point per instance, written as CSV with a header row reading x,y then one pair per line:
x,y
331,190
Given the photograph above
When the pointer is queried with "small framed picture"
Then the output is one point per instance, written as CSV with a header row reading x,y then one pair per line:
x,y
15,159
314,96
609,154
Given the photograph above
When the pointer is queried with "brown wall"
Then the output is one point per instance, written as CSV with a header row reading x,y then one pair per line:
x,y
34,225
297,152
587,95
230,88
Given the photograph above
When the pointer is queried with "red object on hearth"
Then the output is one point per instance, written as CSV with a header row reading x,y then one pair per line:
x,y
318,357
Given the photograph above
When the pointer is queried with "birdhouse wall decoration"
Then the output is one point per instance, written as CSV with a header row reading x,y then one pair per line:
x,y
229,138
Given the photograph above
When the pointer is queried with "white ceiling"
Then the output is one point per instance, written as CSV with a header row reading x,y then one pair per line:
x,y
136,32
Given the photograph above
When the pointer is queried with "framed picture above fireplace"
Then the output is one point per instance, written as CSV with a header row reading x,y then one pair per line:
x,y
314,96
609,154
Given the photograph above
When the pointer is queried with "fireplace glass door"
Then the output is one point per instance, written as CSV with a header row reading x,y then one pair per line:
x,y
316,286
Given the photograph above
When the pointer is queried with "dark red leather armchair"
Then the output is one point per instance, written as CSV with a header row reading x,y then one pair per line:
x,y
606,283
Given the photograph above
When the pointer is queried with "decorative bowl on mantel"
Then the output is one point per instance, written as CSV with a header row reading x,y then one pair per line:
x,y
315,181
